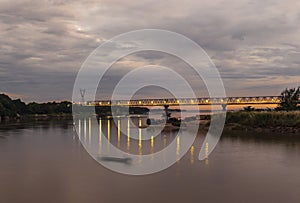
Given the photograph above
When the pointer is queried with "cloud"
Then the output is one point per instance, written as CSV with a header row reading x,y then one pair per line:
x,y
43,43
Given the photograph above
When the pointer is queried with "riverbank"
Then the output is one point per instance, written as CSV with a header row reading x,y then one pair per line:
x,y
270,121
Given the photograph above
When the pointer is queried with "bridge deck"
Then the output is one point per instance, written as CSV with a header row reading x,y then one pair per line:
x,y
188,101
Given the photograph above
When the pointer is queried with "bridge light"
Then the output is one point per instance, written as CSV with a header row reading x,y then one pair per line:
x,y
100,103
222,100
192,101
238,100
152,102
206,101
165,101
140,102
177,101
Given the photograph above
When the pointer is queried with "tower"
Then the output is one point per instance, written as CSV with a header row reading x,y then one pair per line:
x,y
82,94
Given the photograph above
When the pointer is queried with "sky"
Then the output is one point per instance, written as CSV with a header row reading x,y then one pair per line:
x,y
254,44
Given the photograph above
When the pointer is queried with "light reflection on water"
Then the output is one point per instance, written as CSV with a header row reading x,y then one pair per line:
x,y
137,144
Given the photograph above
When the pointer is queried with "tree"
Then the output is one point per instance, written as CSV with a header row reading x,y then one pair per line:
x,y
290,99
7,107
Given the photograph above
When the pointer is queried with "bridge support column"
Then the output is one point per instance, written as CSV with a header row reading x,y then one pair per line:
x,y
224,106
167,112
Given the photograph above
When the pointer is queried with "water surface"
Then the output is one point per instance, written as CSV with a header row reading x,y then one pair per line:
x,y
44,161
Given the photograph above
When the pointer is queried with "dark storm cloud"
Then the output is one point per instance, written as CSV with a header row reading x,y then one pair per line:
x,y
43,43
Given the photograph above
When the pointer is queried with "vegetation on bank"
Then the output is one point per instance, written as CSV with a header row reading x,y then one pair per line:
x,y
264,119
289,100
284,118
16,108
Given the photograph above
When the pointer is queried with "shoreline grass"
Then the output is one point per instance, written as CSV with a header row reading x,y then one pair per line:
x,y
265,118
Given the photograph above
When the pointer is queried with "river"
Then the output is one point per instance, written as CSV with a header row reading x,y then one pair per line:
x,y
44,161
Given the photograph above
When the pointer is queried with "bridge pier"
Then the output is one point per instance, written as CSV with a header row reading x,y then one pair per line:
x,y
167,112
224,106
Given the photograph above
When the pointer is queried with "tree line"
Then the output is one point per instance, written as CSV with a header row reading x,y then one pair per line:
x,y
15,108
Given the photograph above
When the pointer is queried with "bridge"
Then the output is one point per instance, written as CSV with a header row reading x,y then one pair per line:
x,y
166,103
189,101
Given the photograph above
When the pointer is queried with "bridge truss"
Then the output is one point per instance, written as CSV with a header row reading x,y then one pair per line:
x,y
189,101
